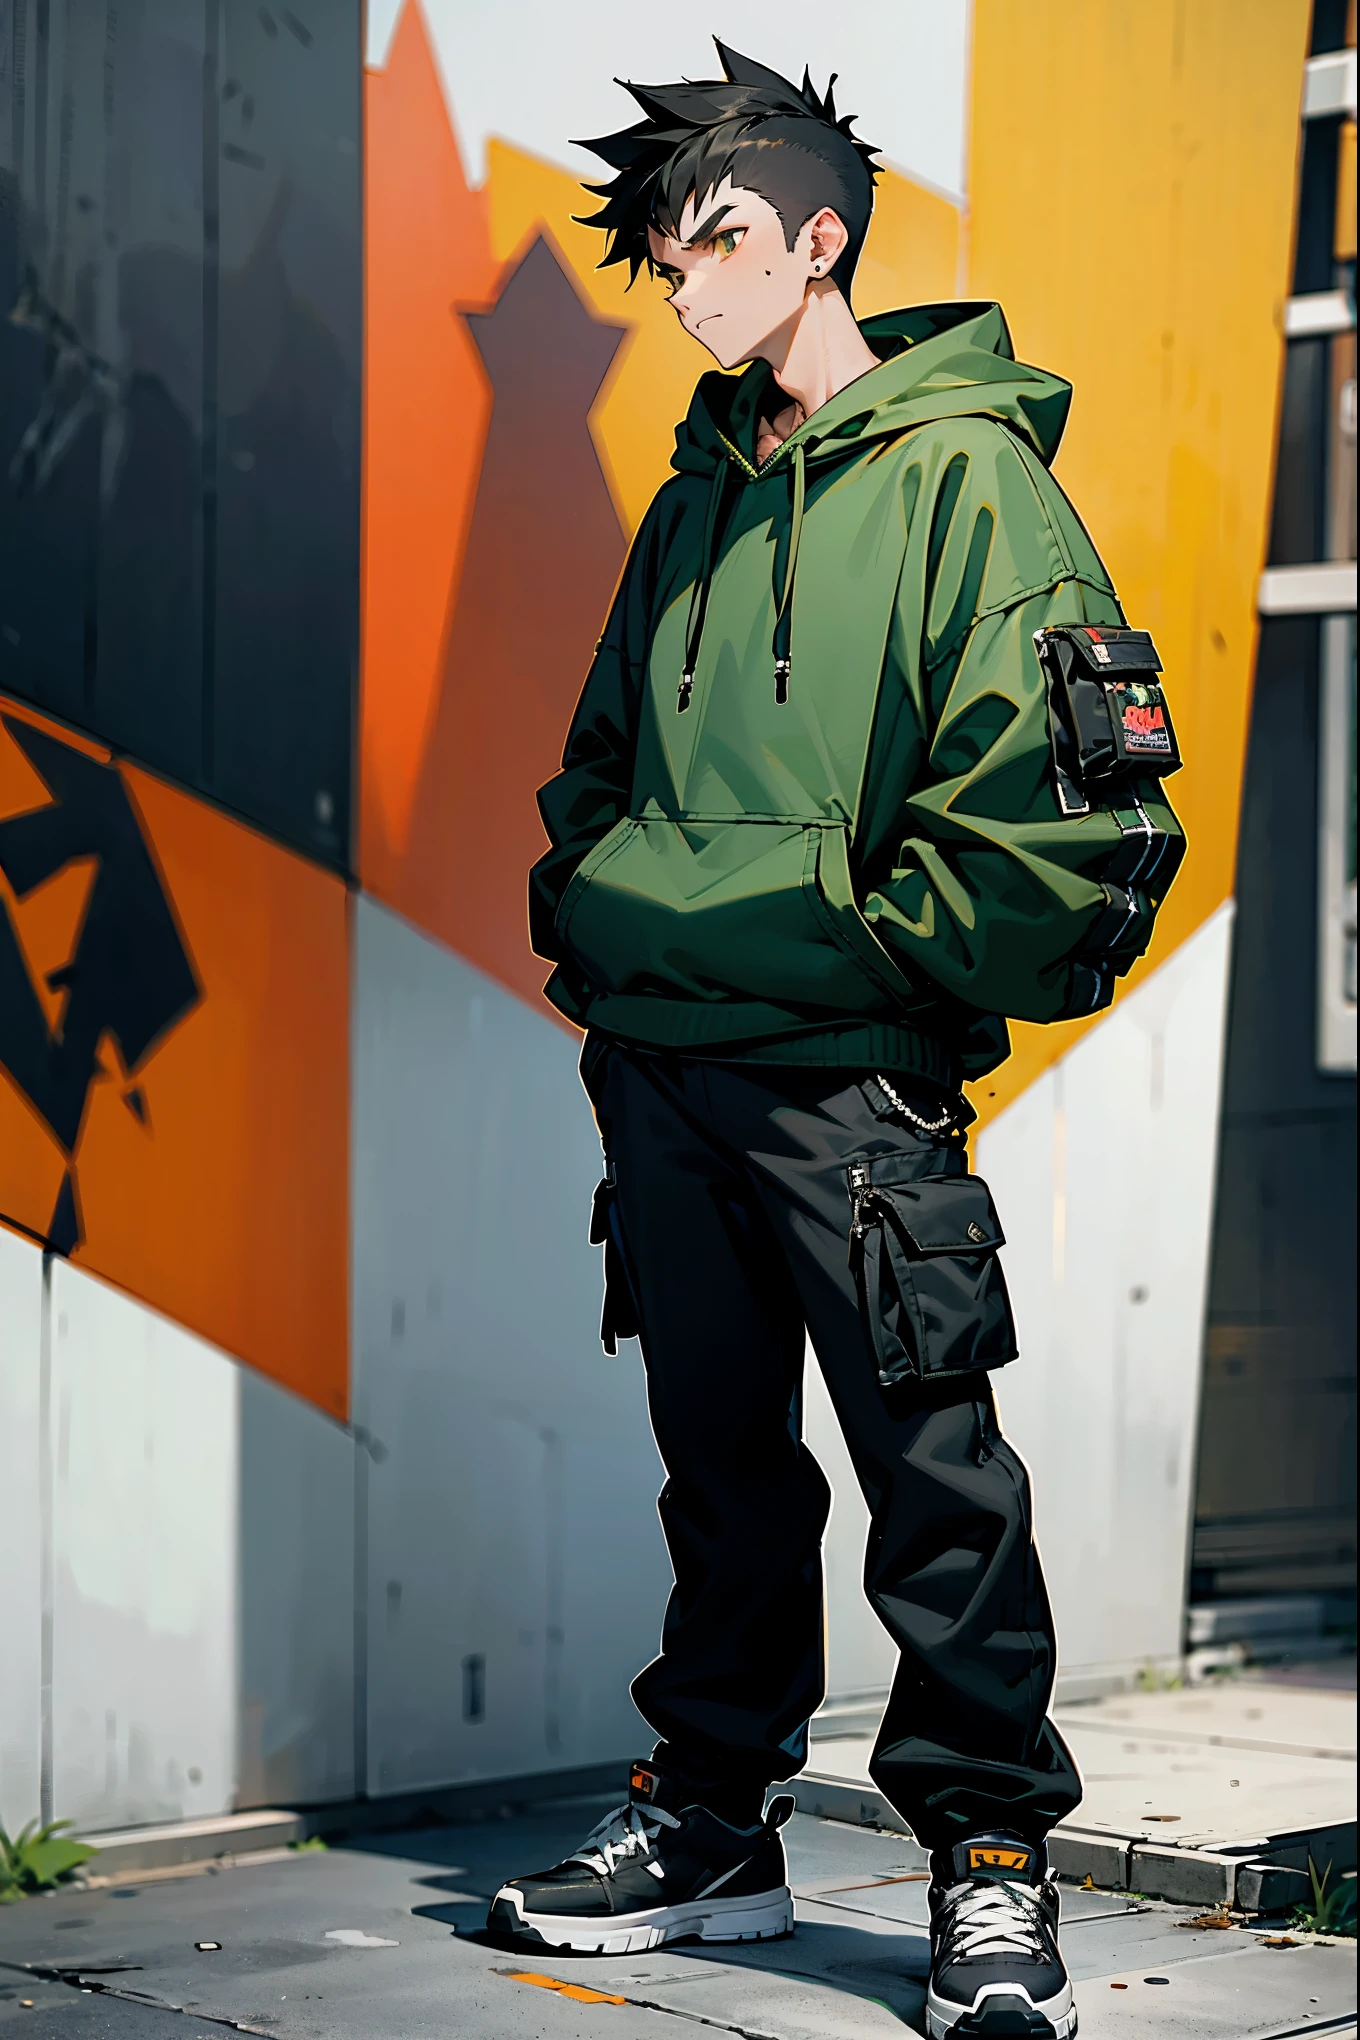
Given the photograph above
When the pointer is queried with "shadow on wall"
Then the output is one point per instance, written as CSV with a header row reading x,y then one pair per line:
x,y
543,555
492,543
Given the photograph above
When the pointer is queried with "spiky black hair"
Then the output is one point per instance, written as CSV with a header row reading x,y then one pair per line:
x,y
786,144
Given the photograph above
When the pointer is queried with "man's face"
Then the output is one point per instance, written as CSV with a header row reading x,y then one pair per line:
x,y
732,280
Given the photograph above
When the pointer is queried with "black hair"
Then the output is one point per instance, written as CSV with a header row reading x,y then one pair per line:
x,y
772,138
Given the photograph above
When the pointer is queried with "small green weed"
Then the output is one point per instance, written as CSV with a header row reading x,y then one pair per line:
x,y
1153,1680
38,1859
1331,1912
312,1844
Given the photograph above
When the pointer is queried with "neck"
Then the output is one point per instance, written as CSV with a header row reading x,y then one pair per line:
x,y
819,350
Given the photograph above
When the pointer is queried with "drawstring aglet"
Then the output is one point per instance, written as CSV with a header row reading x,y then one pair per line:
x,y
684,691
781,680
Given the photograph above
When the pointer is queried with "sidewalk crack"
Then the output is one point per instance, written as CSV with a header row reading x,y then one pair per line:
x,y
95,1981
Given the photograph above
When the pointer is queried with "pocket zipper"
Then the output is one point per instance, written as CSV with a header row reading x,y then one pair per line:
x,y
861,1197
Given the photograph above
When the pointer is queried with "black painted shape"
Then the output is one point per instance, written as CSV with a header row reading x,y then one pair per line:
x,y
25,1044
135,1100
130,975
64,1228
283,687
180,424
48,535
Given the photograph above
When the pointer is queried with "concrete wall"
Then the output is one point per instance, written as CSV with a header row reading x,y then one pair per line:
x,y
144,1473
213,1552
515,1574
21,1570
176,1597
215,1596
1103,1173
296,1559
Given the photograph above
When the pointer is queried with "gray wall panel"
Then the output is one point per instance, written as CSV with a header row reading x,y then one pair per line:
x,y
144,1457
516,1576
296,1601
21,1564
1107,1259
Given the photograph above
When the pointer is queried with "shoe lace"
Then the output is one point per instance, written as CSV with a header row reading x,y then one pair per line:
x,y
994,1919
626,1832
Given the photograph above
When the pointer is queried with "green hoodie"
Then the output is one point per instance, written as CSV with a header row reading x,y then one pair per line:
x,y
806,811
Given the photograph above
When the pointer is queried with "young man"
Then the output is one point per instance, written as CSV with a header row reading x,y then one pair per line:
x,y
813,836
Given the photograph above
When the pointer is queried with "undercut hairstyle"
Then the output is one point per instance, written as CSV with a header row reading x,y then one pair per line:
x,y
771,137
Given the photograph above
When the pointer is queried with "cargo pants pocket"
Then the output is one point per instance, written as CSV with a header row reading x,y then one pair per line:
x,y
923,1250
619,1318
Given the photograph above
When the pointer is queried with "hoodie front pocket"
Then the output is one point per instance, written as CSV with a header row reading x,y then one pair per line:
x,y
716,909
924,1255
608,846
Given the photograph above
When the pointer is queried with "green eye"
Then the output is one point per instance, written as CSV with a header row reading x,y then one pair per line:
x,y
727,240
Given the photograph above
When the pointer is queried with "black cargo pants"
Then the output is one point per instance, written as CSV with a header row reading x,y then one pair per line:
x,y
727,1212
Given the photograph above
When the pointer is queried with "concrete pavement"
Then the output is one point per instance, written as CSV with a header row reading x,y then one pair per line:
x,y
382,1940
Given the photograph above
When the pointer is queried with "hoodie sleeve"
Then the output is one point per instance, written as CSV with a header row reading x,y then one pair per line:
x,y
591,793
995,895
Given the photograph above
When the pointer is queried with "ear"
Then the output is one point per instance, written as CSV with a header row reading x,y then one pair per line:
x,y
826,239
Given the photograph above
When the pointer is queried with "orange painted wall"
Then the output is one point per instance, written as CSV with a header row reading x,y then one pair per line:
x,y
225,1203
426,406
475,645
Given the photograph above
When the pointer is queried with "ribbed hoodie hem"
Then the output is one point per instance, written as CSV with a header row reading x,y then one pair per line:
x,y
854,1045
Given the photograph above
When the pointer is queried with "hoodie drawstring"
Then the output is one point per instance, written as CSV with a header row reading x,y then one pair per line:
x,y
698,601
783,623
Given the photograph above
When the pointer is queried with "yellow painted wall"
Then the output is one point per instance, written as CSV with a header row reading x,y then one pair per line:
x,y
1131,184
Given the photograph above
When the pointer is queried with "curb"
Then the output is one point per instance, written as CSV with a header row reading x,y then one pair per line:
x,y
1264,1876
1267,1875
194,1844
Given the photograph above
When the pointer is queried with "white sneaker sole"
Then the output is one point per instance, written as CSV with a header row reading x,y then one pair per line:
x,y
761,1918
944,2018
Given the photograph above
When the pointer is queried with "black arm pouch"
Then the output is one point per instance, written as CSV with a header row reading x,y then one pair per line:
x,y
1107,711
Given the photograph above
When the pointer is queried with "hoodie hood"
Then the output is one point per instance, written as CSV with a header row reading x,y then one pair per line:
x,y
939,361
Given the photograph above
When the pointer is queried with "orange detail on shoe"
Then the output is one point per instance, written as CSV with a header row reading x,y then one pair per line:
x,y
999,1859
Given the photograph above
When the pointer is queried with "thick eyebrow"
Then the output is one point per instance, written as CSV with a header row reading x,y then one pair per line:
x,y
704,230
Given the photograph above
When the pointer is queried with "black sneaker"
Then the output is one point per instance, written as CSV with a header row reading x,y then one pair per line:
x,y
655,1870
995,1969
